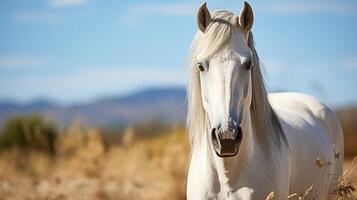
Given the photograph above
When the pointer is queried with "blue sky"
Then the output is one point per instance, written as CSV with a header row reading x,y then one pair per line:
x,y
80,50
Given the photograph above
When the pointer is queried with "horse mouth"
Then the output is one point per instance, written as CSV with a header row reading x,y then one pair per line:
x,y
226,154
225,147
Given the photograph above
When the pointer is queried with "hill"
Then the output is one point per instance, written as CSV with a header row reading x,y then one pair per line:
x,y
161,104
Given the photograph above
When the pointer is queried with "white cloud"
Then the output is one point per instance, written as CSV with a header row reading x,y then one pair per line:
x,y
21,61
177,10
87,83
351,63
46,16
303,7
273,66
67,3
135,13
35,16
122,76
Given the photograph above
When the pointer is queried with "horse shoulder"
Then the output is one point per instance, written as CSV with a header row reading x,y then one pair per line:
x,y
309,107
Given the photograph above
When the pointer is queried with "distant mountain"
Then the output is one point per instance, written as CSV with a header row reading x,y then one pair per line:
x,y
162,104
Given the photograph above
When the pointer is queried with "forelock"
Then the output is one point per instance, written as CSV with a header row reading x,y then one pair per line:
x,y
217,36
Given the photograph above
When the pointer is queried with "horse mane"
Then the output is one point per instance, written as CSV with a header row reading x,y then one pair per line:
x,y
265,122
264,119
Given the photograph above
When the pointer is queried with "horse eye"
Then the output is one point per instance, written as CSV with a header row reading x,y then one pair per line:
x,y
248,65
201,67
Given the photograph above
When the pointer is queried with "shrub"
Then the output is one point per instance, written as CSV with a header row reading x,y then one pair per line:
x,y
30,131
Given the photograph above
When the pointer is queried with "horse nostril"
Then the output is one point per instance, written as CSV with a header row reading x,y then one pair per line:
x,y
214,137
239,134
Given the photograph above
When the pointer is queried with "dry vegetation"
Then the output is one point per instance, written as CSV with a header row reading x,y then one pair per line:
x,y
90,165
345,187
348,119
84,167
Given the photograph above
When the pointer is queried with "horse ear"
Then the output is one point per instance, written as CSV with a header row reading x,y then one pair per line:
x,y
246,17
203,17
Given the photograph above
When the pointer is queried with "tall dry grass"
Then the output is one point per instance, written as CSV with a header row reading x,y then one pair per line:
x,y
84,167
91,165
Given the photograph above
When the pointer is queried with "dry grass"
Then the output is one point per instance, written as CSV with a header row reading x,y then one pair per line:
x,y
271,196
84,167
345,189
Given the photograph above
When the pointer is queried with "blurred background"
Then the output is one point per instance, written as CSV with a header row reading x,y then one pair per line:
x,y
92,93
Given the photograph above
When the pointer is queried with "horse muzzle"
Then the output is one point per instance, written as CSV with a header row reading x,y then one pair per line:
x,y
226,142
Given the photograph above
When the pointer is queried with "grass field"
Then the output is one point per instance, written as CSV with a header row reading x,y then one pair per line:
x,y
86,167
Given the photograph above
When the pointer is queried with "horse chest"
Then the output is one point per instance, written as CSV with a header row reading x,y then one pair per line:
x,y
205,183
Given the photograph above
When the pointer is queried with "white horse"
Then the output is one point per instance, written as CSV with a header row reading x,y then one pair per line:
x,y
244,142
